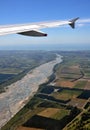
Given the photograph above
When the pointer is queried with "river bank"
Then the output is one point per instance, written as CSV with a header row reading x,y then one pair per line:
x,y
17,93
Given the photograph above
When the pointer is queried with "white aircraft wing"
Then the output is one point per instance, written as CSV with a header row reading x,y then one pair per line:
x,y
33,29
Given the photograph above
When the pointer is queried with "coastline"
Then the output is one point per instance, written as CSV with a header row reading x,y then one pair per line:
x,y
19,92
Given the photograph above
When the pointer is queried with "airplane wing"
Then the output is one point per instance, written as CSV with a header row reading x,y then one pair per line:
x,y
33,29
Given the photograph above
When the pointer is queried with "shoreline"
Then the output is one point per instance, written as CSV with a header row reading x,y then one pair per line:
x,y
21,91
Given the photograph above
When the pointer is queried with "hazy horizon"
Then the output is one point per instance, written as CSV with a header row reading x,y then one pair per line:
x,y
75,47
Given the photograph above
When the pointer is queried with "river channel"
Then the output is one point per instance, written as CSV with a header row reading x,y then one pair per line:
x,y
18,93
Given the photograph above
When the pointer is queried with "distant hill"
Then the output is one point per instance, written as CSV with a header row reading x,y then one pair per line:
x,y
15,64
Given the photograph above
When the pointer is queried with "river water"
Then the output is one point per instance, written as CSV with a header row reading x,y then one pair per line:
x,y
17,93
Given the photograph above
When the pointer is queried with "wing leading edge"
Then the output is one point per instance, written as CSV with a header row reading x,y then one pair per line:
x,y
33,29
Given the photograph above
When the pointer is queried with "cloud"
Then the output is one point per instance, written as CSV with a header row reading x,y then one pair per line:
x,y
80,24
83,22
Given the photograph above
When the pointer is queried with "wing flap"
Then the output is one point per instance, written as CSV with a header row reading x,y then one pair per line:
x,y
33,33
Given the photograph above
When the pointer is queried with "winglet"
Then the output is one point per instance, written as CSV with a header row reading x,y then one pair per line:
x,y
72,22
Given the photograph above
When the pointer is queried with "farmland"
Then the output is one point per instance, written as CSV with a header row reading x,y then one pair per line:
x,y
66,94
81,122
61,100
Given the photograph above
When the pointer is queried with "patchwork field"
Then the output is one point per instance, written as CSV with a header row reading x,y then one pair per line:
x,y
66,94
61,114
81,122
65,83
69,72
54,113
62,99
49,112
87,86
87,72
27,128
77,102
81,84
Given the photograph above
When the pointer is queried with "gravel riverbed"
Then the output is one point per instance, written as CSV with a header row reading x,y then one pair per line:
x,y
17,93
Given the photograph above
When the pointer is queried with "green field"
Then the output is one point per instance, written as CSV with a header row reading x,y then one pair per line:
x,y
80,84
62,113
66,94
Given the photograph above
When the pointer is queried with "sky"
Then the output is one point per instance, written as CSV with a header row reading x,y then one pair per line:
x,y
26,11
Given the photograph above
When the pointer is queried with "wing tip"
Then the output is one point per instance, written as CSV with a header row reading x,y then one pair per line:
x,y
72,22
